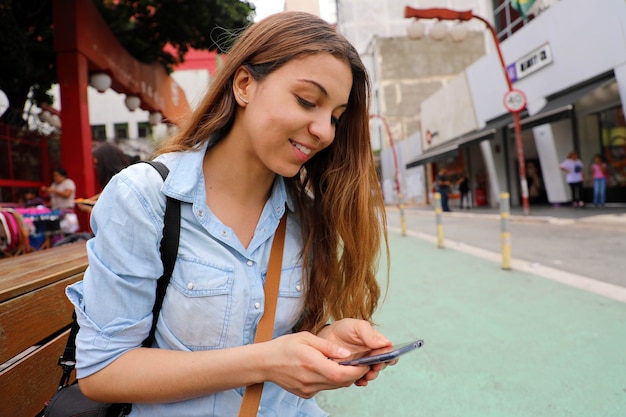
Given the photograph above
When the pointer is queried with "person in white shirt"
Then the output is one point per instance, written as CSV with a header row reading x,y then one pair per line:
x,y
575,177
62,191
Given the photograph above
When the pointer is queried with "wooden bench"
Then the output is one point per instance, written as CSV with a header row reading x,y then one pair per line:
x,y
35,317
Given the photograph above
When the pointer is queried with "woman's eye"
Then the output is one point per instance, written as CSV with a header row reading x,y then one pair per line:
x,y
304,102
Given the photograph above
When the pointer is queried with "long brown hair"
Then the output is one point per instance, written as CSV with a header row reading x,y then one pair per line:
x,y
337,193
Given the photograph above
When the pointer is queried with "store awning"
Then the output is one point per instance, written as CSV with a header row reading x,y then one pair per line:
x,y
560,107
433,154
446,149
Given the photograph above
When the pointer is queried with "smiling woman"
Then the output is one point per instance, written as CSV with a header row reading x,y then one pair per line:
x,y
282,133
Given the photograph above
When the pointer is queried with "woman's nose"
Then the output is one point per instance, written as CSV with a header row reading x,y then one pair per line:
x,y
323,129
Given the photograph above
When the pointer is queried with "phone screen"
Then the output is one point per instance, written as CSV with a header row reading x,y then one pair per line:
x,y
393,353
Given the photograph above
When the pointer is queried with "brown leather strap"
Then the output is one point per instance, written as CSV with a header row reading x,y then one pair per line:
x,y
252,395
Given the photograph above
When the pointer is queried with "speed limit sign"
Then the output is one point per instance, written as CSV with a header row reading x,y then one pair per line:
x,y
514,100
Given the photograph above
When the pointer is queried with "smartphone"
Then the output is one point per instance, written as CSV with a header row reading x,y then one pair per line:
x,y
395,352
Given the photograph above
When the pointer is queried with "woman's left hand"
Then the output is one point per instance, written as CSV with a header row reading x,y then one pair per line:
x,y
359,337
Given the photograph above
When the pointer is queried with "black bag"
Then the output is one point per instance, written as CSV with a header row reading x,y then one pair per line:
x,y
69,401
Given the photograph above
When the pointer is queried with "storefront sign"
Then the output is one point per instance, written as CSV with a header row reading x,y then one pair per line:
x,y
530,63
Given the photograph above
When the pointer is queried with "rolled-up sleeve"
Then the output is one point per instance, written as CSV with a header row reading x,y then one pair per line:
x,y
114,301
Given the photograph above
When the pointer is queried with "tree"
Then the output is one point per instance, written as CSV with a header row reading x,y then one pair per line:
x,y
143,27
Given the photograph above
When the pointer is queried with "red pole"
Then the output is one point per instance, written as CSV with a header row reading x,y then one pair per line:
x,y
447,14
396,170
72,73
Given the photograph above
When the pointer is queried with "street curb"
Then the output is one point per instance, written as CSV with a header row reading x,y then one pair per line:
x,y
600,219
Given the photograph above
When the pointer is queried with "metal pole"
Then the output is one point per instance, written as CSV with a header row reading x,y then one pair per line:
x,y
396,171
438,212
505,235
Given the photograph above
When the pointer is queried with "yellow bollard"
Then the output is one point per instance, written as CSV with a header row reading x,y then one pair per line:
x,y
505,235
438,212
402,218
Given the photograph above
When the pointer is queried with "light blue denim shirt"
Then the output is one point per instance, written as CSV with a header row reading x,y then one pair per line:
x,y
215,297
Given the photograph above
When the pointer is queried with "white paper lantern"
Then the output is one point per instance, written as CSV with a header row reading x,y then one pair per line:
x,y
101,81
155,118
458,32
416,30
4,102
132,102
438,31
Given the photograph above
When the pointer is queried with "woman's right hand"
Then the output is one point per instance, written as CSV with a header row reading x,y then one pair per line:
x,y
303,364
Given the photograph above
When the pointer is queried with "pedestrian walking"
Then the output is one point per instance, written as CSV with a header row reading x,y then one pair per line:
x,y
575,176
464,190
442,186
599,174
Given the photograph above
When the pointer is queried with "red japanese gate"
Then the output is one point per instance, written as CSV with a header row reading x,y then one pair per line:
x,y
84,44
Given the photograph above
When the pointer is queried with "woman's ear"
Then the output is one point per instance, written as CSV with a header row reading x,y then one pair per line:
x,y
242,84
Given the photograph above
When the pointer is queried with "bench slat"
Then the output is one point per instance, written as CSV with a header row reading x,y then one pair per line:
x,y
28,319
24,273
30,382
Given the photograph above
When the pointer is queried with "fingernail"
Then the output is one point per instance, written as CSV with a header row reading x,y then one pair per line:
x,y
343,352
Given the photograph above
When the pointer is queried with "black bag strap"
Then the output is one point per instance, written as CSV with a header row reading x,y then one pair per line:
x,y
168,249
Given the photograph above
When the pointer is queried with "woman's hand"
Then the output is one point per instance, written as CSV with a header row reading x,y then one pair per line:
x,y
305,364
360,338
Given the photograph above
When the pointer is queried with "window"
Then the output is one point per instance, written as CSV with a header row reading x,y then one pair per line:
x,y
507,20
121,130
143,129
98,132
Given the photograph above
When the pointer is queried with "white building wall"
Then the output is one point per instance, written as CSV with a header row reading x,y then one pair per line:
x,y
586,39
458,118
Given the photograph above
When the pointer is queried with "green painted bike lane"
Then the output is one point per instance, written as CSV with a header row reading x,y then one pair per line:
x,y
496,343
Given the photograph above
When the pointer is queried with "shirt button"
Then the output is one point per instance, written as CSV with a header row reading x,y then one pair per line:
x,y
224,233
298,287
200,213
250,263
190,285
257,305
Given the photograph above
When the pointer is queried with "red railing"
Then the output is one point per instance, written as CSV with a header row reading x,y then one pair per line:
x,y
24,162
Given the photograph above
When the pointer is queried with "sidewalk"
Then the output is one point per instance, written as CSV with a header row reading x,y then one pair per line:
x,y
611,215
497,343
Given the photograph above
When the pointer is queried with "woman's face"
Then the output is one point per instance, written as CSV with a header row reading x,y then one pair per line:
x,y
291,115
57,177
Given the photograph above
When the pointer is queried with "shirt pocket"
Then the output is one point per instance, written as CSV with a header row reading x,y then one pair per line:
x,y
289,304
198,303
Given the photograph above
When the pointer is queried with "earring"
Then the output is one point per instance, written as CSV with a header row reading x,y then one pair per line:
x,y
242,98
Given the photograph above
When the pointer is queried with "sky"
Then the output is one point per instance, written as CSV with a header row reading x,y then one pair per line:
x,y
265,8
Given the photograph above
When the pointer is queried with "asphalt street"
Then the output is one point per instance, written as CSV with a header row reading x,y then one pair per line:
x,y
588,242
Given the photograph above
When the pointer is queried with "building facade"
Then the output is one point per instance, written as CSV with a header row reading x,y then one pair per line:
x,y
404,73
569,60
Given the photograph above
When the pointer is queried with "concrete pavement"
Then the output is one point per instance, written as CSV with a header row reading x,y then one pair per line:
x,y
613,215
497,343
